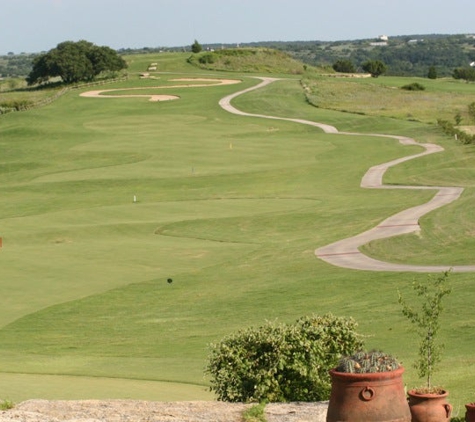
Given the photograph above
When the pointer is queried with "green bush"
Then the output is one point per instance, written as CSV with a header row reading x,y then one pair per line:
x,y
6,404
255,413
207,58
416,86
449,129
281,362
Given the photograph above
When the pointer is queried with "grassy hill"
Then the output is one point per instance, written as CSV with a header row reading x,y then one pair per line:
x,y
248,60
230,208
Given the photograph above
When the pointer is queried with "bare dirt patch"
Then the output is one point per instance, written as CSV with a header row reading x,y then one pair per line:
x,y
146,411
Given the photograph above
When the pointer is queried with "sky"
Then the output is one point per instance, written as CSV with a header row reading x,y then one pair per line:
x,y
33,26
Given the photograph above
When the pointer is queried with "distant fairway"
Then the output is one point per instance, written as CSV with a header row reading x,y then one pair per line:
x,y
231,209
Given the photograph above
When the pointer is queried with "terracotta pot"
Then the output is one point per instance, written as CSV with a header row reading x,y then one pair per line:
x,y
377,397
429,407
470,413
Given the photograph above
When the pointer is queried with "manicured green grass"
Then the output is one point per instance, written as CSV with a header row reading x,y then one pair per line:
x,y
230,208
62,387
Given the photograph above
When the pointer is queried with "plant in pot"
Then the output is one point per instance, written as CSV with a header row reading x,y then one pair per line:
x,y
368,387
428,403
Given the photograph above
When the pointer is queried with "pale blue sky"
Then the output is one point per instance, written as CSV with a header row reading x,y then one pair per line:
x,y
39,25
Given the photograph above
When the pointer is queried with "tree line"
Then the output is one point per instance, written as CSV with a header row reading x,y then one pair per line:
x,y
411,55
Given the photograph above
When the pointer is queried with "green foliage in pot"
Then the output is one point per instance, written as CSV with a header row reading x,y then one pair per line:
x,y
426,321
281,362
367,362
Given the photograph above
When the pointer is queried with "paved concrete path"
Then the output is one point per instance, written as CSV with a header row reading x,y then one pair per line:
x,y
345,253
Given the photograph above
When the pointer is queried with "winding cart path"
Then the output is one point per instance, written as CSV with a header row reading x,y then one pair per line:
x,y
345,253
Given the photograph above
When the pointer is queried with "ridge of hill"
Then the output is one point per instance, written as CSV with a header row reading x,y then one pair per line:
x,y
405,55
261,60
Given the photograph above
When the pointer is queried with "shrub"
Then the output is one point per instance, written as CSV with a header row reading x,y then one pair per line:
x,y
344,66
449,129
281,362
6,404
374,67
415,86
208,58
255,413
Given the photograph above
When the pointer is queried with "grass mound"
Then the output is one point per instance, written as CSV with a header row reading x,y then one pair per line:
x,y
248,60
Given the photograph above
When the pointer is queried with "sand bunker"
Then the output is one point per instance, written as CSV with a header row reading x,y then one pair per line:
x,y
160,97
151,97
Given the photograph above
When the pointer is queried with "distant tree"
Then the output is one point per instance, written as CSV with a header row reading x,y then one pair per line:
x,y
374,67
344,66
465,73
432,73
196,47
74,62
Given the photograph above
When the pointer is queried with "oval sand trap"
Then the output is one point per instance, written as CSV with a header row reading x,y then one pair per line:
x,y
160,97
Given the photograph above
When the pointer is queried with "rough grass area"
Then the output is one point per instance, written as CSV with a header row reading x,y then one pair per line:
x,y
383,96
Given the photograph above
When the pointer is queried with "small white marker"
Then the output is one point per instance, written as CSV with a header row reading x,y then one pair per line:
x,y
135,199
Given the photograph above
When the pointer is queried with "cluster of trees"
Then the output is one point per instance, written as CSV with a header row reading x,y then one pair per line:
x,y
465,73
15,65
74,62
404,55
374,67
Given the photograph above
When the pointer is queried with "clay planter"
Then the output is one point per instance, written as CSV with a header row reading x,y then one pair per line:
x,y
375,397
470,412
429,407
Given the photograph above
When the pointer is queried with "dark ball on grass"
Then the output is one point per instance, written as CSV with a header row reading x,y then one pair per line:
x,y
169,281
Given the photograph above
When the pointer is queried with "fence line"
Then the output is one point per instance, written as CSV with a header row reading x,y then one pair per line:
x,y
49,100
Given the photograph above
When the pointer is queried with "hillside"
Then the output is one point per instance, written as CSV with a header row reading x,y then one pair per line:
x,y
405,55
263,60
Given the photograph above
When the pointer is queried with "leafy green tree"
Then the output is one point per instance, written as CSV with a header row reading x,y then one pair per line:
x,y
74,62
282,362
344,66
196,47
374,67
465,73
105,59
432,73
